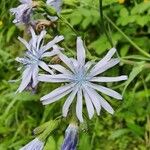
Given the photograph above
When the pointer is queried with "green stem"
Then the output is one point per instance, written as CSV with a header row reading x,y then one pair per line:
x,y
103,24
68,24
126,37
146,65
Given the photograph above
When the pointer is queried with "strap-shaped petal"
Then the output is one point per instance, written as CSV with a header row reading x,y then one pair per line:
x,y
34,39
89,105
104,61
26,1
69,101
35,75
59,78
39,39
48,54
23,60
80,52
109,79
57,92
53,42
104,103
25,43
26,78
79,105
95,101
45,67
35,144
56,98
56,50
67,61
107,66
88,66
61,69
105,90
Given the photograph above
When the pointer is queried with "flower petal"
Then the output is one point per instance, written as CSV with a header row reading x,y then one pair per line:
x,y
35,144
54,78
45,67
54,99
26,1
39,39
105,90
88,65
24,61
34,38
53,42
67,61
89,104
104,61
107,66
79,106
55,4
48,54
68,101
58,91
109,79
35,75
56,50
94,99
61,69
103,102
80,52
24,43
26,78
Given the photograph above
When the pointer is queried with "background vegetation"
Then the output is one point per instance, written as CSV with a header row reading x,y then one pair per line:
x,y
129,127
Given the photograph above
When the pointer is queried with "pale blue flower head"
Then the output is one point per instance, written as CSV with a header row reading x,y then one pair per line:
x,y
56,4
36,51
36,144
22,12
71,138
82,82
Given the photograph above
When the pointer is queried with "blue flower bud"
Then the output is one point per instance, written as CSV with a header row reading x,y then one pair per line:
x,y
71,138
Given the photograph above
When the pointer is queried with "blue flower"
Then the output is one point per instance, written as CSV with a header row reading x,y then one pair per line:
x,y
22,12
56,4
82,80
36,51
36,144
71,138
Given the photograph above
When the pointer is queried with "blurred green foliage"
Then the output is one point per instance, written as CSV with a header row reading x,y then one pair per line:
x,y
129,128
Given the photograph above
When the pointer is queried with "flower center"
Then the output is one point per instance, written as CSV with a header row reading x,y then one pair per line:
x,y
80,77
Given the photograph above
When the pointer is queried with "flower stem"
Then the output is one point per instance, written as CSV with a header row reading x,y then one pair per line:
x,y
130,62
68,24
126,37
103,24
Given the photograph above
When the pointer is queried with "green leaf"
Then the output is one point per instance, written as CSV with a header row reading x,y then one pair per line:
x,y
134,73
124,12
10,33
76,18
118,133
136,129
50,144
84,142
124,50
140,8
142,20
100,45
